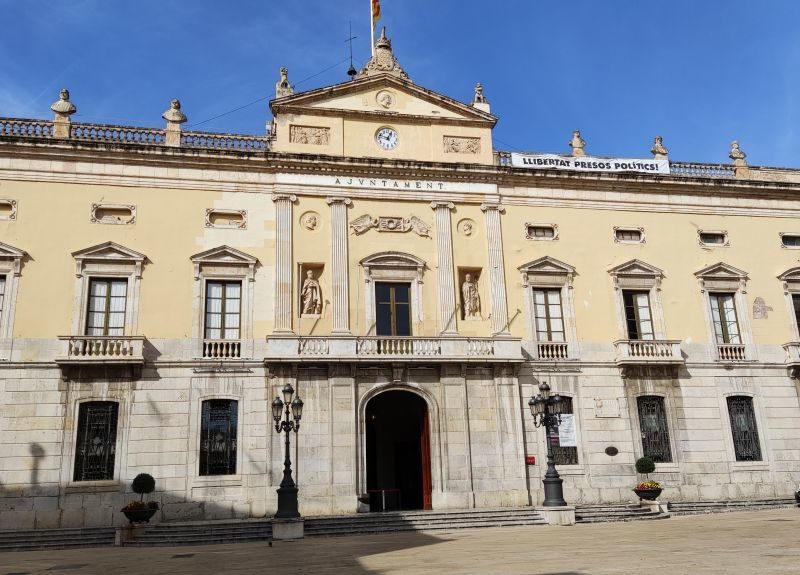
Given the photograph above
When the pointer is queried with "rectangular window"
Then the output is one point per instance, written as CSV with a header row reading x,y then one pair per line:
x,y
653,426
96,445
541,232
746,445
723,314
223,306
790,240
713,238
548,315
218,437
392,308
106,310
638,319
566,455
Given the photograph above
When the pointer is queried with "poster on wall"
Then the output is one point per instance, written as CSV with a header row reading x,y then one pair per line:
x,y
566,431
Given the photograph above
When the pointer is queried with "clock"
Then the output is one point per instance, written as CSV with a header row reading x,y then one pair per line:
x,y
386,138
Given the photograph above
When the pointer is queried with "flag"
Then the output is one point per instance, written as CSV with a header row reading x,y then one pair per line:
x,y
376,11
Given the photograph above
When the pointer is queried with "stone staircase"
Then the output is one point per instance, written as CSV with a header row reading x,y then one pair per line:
x,y
32,540
203,533
608,513
701,507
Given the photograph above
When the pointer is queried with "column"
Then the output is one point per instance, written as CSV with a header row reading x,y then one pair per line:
x,y
497,272
340,286
444,258
283,262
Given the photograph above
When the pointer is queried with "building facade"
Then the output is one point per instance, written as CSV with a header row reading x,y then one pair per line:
x,y
158,287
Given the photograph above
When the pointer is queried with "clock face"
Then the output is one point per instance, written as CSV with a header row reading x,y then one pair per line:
x,y
386,138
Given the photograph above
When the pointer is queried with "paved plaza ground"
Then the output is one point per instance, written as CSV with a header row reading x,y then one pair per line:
x,y
761,543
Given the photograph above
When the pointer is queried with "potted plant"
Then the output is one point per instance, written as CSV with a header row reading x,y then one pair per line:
x,y
139,511
649,490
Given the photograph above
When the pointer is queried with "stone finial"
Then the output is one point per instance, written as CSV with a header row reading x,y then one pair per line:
x,y
737,155
577,144
479,101
174,114
658,150
63,109
282,87
383,62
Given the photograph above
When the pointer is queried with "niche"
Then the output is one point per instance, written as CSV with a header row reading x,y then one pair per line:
x,y
310,297
115,214
234,219
468,283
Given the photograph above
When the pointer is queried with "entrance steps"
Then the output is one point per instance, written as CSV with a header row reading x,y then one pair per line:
x,y
701,507
203,533
608,513
35,539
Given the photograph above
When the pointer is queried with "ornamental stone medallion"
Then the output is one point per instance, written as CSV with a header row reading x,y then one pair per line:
x,y
310,220
466,227
385,99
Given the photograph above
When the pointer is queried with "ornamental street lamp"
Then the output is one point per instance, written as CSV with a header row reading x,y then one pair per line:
x,y
287,492
546,411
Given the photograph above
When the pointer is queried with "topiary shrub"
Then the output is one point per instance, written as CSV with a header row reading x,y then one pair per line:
x,y
645,465
143,483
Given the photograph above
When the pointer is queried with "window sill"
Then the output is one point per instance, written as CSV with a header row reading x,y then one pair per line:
x,y
750,466
667,468
93,486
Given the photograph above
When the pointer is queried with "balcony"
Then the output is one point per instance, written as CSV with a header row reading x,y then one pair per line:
x,y
648,352
222,349
101,350
388,349
793,358
731,352
553,351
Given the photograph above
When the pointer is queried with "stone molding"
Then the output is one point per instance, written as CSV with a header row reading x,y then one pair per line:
x,y
444,268
284,295
340,282
497,275
11,259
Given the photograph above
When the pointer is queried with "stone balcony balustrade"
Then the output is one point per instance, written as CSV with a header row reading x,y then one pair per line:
x,y
731,352
222,349
388,349
553,351
792,357
101,350
648,352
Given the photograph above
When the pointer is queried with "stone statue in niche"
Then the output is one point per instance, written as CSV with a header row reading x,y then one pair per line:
x,y
311,295
471,298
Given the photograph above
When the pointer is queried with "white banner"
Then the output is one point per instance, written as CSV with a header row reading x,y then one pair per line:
x,y
588,164
566,431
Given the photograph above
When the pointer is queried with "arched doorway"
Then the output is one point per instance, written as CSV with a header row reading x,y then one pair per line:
x,y
398,451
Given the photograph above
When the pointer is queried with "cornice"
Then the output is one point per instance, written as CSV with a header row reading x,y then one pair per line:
x,y
394,117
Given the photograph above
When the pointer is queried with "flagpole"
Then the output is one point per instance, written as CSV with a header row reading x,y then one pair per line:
x,y
371,29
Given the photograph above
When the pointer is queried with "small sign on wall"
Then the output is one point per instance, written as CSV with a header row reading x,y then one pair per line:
x,y
530,460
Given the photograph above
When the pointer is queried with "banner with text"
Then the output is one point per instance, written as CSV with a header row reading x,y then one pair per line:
x,y
588,164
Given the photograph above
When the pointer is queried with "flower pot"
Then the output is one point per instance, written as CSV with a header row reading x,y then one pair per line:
x,y
139,515
648,494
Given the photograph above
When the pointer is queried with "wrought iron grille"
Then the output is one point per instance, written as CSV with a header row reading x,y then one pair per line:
x,y
655,432
97,441
218,437
744,429
563,455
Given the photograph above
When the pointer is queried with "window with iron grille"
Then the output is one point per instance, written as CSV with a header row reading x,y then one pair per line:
x,y
106,309
97,441
218,437
746,445
2,293
223,305
548,314
638,319
723,314
654,429
563,455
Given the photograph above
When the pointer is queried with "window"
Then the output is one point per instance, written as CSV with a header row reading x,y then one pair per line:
x,y
218,437
97,441
723,315
629,235
790,240
713,238
223,307
106,309
654,430
392,308
2,293
541,231
564,455
746,445
548,315
795,306
638,319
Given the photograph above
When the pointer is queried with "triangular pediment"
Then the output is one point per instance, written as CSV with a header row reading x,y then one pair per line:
x,y
381,96
636,268
547,265
110,252
8,252
224,255
721,270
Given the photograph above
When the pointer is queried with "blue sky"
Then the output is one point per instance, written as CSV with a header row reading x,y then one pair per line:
x,y
698,73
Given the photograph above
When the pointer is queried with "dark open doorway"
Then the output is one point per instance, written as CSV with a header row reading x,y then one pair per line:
x,y
398,452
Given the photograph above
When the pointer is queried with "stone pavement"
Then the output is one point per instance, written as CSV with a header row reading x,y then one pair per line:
x,y
763,543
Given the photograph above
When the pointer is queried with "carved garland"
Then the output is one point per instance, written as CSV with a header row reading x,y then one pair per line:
x,y
390,224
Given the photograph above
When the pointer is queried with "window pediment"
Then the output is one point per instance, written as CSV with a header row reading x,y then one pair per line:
x,y
636,274
225,257
13,256
393,264
722,276
546,270
108,253
791,280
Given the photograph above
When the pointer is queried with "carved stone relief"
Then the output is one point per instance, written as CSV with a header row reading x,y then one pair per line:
x,y
466,227
390,224
385,99
8,209
310,220
461,145
309,135
234,219
117,214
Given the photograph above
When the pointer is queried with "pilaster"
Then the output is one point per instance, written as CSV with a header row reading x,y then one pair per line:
x,y
339,265
497,272
444,259
283,262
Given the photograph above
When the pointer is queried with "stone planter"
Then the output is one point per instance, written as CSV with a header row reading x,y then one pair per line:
x,y
648,494
139,515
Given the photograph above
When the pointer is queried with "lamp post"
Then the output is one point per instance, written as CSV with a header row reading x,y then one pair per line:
x,y
546,410
291,410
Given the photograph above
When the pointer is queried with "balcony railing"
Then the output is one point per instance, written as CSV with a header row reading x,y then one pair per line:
x,y
101,349
648,352
731,352
222,348
552,350
398,346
